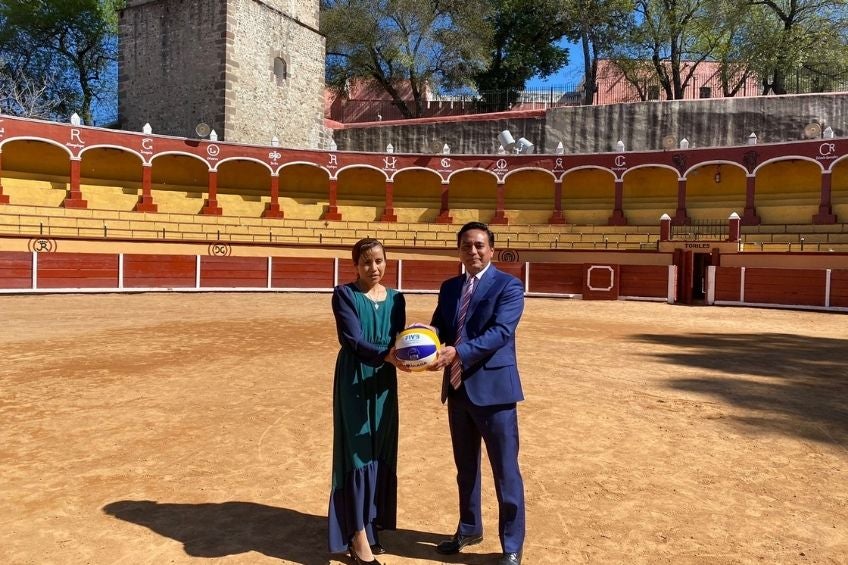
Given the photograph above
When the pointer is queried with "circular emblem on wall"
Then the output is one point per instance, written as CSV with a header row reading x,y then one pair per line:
x,y
42,245
213,150
508,256
220,249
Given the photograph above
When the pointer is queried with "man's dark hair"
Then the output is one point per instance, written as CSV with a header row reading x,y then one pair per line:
x,y
364,246
475,226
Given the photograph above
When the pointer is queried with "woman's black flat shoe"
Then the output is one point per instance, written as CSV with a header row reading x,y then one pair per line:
x,y
358,560
378,549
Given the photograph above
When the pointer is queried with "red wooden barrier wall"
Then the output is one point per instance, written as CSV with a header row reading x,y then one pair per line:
x,y
236,272
15,269
648,281
785,286
556,278
302,272
727,284
77,270
159,271
801,287
839,288
347,272
514,269
601,282
428,275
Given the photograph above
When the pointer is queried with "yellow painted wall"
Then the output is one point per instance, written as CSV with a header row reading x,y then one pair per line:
x,y
304,180
35,157
417,196
27,191
244,176
707,199
302,208
472,189
529,189
176,201
519,216
588,196
362,183
788,192
36,174
244,187
649,193
839,190
529,197
114,166
244,205
109,197
179,184
359,211
178,170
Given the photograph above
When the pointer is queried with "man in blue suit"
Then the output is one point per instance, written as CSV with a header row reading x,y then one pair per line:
x,y
477,315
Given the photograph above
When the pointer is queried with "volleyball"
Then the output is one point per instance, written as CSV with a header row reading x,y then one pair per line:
x,y
416,347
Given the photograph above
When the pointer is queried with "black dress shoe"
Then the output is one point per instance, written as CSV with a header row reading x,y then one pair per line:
x,y
510,559
457,542
358,560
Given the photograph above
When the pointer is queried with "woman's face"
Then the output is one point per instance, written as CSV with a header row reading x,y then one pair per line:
x,y
371,266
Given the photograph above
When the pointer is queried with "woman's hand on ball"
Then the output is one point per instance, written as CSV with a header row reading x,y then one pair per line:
x,y
392,358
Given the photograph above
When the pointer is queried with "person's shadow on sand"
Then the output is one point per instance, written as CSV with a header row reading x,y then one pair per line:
x,y
230,528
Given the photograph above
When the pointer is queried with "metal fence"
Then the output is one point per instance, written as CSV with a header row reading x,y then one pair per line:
x,y
702,230
613,90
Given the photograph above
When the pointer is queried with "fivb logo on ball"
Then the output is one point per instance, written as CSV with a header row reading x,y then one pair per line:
x,y
416,347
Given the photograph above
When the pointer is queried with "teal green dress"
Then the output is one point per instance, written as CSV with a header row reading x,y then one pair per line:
x,y
365,416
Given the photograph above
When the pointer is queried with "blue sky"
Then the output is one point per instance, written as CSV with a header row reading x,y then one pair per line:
x,y
569,75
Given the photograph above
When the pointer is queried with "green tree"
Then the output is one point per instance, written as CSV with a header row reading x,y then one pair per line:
x,y
791,36
675,36
401,44
523,46
729,27
73,42
598,26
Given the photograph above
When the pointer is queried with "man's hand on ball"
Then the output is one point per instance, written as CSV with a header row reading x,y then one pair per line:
x,y
446,356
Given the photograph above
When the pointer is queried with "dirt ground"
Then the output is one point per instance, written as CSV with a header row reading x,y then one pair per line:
x,y
191,428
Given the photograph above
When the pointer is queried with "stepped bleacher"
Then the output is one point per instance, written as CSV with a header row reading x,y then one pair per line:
x,y
121,225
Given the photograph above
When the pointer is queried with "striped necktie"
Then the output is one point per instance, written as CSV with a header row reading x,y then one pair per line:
x,y
456,366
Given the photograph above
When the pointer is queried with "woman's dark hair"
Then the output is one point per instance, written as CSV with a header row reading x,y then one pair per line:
x,y
364,246
475,226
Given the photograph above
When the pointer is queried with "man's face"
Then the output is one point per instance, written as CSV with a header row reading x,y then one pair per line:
x,y
475,251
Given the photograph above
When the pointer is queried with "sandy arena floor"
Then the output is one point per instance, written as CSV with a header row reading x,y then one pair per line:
x,y
177,428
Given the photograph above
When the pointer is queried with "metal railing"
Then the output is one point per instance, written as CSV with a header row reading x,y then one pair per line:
x,y
611,90
701,230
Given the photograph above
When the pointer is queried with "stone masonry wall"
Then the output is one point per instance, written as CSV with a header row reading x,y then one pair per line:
x,y
261,104
183,62
171,65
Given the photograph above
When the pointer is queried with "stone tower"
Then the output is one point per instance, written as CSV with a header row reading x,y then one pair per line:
x,y
250,69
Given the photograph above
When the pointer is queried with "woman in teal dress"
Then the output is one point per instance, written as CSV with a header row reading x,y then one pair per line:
x,y
363,499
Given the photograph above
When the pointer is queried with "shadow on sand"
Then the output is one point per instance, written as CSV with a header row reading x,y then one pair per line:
x,y
805,387
230,528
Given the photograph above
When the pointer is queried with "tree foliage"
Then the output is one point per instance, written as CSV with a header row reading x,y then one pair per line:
x,y
598,26
523,46
792,35
403,44
61,49
674,36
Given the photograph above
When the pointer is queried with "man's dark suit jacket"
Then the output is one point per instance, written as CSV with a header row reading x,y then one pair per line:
x,y
487,350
